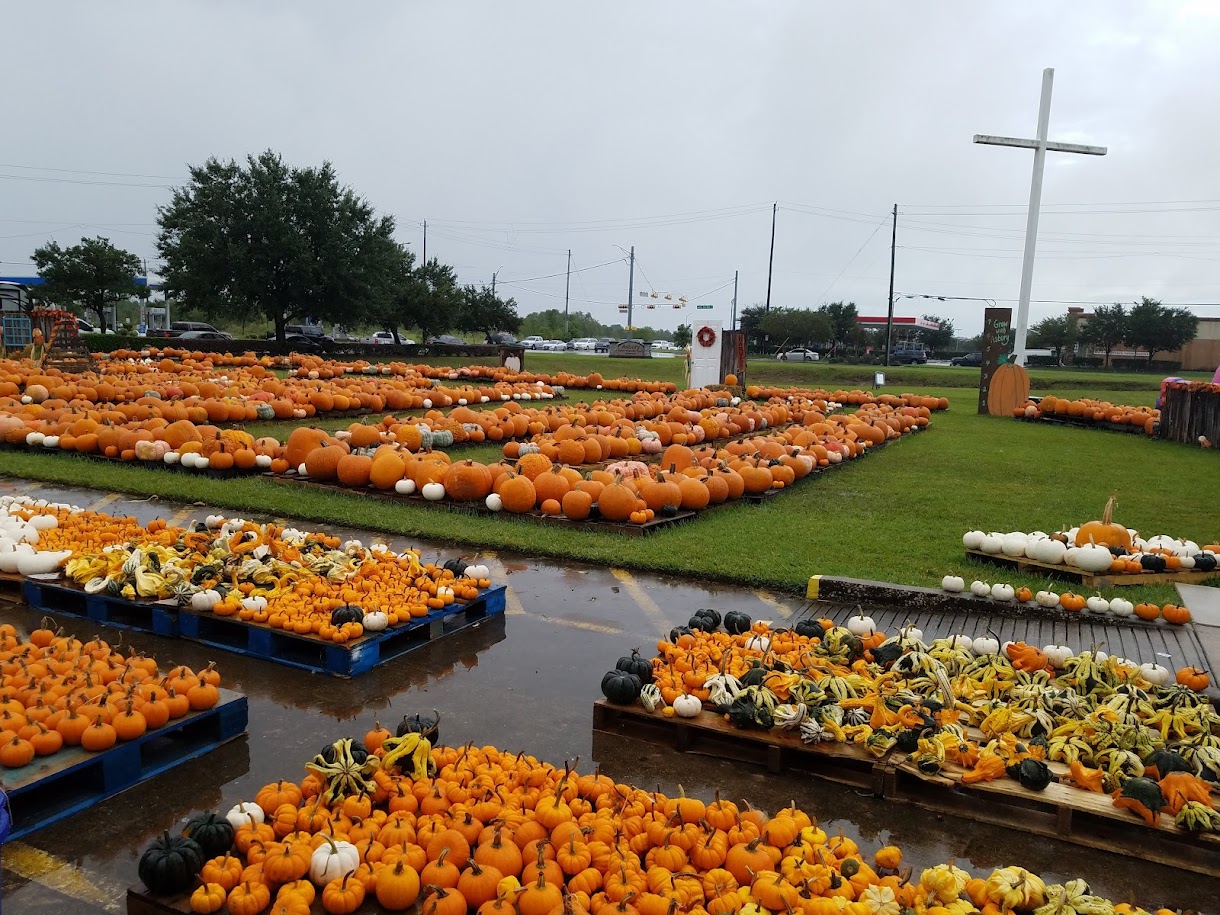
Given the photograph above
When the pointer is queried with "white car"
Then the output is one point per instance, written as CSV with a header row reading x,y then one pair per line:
x,y
586,344
663,345
385,338
533,342
553,346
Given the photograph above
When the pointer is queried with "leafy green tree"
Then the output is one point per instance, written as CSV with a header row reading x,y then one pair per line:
x,y
428,298
485,312
843,324
1058,333
789,327
282,242
94,273
750,321
1106,328
682,336
1159,329
938,340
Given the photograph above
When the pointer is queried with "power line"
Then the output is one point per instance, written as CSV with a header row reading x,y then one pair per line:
x,y
42,178
549,276
838,275
85,171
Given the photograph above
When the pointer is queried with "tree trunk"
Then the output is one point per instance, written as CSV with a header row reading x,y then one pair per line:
x,y
280,322
99,308
393,329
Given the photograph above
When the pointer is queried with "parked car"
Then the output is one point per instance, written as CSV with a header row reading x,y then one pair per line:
x,y
553,346
533,341
84,327
445,340
602,345
385,338
204,335
584,344
501,338
975,359
800,354
908,357
178,328
302,343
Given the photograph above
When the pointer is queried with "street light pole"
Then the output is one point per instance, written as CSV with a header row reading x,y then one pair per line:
x,y
889,320
630,288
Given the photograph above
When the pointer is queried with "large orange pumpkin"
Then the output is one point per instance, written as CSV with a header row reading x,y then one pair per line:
x,y
303,440
323,463
352,469
467,481
386,470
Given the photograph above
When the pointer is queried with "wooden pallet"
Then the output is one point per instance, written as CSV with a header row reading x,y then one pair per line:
x,y
1056,420
141,902
54,596
351,659
54,787
1091,579
1061,811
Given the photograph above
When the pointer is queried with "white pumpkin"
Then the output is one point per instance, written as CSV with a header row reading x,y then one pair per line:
x,y
992,543
262,461
34,438
910,632
1057,654
1155,674
301,469
986,645
1187,562
1014,544
254,602
331,860
205,600
973,540
1121,607
375,621
1052,551
1046,599
171,457
1097,604
494,502
188,459
980,588
243,813
1092,558
404,487
1003,592
759,643
953,583
202,463
688,706
478,571
861,625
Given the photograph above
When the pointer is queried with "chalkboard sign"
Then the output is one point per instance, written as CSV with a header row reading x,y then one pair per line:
x,y
997,348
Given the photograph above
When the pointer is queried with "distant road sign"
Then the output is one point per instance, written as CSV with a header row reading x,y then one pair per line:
x,y
703,307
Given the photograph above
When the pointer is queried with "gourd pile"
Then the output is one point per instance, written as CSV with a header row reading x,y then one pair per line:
x,y
1089,412
311,584
57,692
1070,601
476,829
969,709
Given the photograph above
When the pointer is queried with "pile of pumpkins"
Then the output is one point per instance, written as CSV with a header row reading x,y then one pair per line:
x,y
1069,601
479,829
1086,410
312,584
1098,547
58,692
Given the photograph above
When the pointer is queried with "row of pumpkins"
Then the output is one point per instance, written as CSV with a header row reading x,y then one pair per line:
x,y
1088,410
477,829
685,478
1069,601
312,584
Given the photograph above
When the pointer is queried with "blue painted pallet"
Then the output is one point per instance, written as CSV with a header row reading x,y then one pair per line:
x,y
54,787
349,660
159,618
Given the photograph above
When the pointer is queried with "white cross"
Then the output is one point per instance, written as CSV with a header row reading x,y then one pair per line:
x,y
1039,145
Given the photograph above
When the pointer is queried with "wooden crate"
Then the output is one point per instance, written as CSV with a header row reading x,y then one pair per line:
x,y
1090,579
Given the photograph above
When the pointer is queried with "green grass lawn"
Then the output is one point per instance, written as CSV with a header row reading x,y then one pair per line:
x,y
897,515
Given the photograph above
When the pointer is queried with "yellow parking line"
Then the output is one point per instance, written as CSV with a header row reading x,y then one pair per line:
x,y
770,601
180,518
512,603
578,624
45,869
105,500
646,603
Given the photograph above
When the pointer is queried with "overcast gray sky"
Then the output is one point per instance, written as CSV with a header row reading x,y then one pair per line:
x,y
520,130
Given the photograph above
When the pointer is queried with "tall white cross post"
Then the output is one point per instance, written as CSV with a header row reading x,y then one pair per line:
x,y
1039,145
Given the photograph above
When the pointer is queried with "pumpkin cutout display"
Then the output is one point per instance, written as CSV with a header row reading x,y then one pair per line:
x,y
1009,387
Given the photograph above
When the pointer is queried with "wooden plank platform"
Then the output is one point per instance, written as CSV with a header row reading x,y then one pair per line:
x,y
56,596
141,902
1091,579
52,788
348,660
1061,811
1057,420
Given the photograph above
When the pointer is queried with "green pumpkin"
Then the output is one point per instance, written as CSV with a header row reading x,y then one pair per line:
x,y
211,832
264,411
170,865
1033,774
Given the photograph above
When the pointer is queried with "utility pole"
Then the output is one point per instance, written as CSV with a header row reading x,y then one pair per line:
x,y
889,318
493,283
733,319
630,288
567,283
771,258
425,243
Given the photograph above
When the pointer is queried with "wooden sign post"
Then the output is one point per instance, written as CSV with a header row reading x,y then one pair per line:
x,y
997,348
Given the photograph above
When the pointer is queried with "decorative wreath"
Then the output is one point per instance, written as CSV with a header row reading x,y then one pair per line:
x,y
706,336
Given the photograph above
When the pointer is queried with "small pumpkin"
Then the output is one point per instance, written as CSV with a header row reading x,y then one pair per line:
x,y
170,864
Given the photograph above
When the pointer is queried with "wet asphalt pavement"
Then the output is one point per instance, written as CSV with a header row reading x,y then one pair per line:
x,y
526,680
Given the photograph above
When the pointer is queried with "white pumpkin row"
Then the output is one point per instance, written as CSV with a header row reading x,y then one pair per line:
x,y
18,538
1049,599
1044,548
